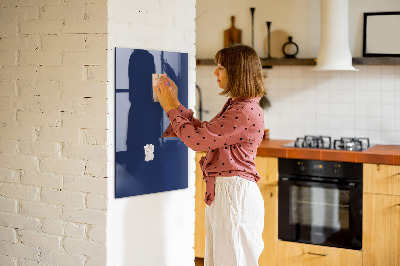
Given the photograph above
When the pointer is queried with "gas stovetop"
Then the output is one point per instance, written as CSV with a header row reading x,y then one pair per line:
x,y
325,142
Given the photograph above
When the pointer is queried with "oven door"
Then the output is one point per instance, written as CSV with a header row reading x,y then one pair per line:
x,y
320,212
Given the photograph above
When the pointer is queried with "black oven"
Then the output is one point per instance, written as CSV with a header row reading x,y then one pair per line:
x,y
320,202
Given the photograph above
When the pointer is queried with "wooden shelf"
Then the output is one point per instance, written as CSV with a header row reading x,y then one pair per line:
x,y
312,61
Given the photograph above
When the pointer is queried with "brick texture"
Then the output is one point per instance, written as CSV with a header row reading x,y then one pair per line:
x,y
53,109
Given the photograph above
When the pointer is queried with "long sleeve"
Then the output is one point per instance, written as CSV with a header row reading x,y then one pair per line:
x,y
225,130
188,114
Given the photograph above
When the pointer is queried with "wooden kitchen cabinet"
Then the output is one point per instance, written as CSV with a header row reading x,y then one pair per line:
x,y
200,207
267,167
381,230
381,215
298,254
381,179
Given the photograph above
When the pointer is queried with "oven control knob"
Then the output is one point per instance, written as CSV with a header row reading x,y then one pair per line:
x,y
336,169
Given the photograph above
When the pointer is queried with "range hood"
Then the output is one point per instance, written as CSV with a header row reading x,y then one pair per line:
x,y
334,51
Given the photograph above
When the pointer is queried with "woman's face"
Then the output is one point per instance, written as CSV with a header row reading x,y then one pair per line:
x,y
222,76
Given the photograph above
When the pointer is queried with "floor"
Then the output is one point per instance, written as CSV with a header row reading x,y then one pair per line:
x,y
199,262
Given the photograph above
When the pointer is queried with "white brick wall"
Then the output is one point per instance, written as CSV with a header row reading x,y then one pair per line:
x,y
53,107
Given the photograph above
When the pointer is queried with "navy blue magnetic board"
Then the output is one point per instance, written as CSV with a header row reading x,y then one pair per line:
x,y
140,122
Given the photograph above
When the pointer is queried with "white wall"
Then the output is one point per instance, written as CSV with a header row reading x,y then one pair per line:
x,y
298,18
155,229
53,186
338,104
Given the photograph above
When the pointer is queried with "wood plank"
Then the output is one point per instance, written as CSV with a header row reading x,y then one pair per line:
x,y
200,207
267,168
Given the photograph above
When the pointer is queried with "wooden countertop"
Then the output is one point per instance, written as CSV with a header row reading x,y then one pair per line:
x,y
379,154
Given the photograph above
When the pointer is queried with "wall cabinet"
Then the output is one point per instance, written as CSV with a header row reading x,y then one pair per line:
x,y
290,253
381,215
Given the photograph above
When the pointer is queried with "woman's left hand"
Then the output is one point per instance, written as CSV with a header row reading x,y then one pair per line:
x,y
163,90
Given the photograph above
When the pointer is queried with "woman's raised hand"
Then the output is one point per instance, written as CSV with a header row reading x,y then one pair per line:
x,y
174,90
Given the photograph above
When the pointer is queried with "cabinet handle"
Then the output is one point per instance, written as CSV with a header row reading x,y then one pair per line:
x,y
398,204
318,254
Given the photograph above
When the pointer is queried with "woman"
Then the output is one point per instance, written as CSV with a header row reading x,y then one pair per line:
x,y
235,207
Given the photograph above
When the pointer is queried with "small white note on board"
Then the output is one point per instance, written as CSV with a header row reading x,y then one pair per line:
x,y
148,152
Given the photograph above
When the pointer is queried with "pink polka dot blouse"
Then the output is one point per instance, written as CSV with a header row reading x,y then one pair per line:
x,y
231,139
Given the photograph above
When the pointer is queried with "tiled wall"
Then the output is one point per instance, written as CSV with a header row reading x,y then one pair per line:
x,y
338,104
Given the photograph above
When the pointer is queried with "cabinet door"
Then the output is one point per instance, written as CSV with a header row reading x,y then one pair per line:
x,y
381,179
267,168
381,230
270,233
297,254
200,207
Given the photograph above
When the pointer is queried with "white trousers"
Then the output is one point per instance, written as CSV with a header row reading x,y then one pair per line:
x,y
234,223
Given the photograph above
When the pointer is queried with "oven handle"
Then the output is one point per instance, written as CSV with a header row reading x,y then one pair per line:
x,y
297,181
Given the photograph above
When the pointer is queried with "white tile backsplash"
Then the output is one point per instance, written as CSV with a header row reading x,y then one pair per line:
x,y
364,103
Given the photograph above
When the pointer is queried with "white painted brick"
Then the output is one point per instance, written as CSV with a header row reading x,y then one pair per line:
x,y
7,175
95,136
18,250
25,262
34,239
60,73
39,87
97,234
84,247
40,148
86,184
7,88
41,179
38,209
39,58
63,197
75,230
62,12
19,221
53,227
71,104
18,191
94,201
16,132
85,152
67,135
84,26
97,11
18,72
100,260
87,88
18,13
84,216
85,121
30,103
18,161
66,42
30,2
61,259
91,105
89,57
19,43
39,118
94,168
8,261
97,42
8,205
8,146
40,27
62,166
96,73
8,234
8,117
8,58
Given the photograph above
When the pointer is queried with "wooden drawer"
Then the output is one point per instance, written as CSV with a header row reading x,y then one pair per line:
x,y
297,254
381,179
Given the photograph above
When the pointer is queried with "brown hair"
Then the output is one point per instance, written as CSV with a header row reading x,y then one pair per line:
x,y
245,78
